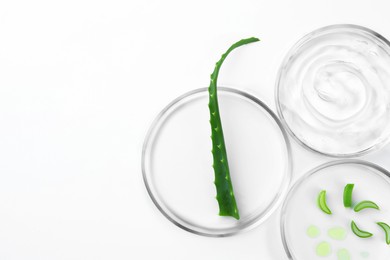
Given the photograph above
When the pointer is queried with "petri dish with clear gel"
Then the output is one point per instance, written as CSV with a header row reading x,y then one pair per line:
x,y
308,233
333,90
177,162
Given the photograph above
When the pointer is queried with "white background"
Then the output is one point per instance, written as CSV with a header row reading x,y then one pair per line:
x,y
80,83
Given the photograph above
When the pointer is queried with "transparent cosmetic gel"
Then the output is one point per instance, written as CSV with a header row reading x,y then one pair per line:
x,y
333,90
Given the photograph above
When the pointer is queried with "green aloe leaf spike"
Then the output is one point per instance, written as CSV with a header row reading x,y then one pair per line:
x,y
225,194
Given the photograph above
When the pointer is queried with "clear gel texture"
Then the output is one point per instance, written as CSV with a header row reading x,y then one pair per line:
x,y
334,90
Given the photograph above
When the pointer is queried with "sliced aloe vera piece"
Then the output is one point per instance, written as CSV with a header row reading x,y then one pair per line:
x,y
348,195
360,233
386,228
322,204
366,204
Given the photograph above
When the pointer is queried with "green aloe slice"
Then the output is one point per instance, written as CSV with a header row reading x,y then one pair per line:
x,y
225,195
386,228
322,204
366,204
360,233
348,195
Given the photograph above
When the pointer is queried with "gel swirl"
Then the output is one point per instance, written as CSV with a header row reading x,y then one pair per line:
x,y
333,90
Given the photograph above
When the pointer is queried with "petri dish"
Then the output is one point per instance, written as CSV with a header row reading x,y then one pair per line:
x,y
309,233
177,162
333,91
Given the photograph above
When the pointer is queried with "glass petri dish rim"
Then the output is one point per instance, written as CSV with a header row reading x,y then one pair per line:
x,y
306,176
291,53
232,231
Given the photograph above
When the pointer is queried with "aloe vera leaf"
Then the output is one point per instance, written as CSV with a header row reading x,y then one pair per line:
x,y
348,195
360,233
322,202
385,228
225,194
366,204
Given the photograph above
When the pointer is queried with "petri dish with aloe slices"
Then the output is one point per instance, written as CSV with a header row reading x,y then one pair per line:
x,y
333,90
336,211
177,162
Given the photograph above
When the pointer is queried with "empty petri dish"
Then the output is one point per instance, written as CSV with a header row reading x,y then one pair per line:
x,y
177,162
333,90
310,233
